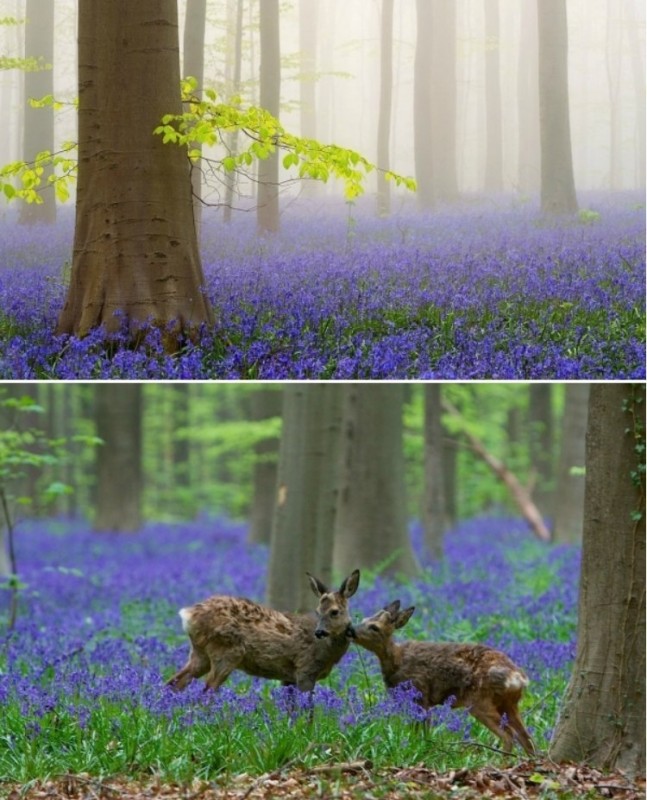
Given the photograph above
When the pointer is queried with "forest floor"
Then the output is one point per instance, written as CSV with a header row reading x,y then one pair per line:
x,y
357,779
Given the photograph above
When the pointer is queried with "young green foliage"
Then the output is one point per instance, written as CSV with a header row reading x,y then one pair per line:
x,y
207,121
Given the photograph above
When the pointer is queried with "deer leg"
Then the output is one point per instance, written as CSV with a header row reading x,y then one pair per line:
x,y
515,722
195,667
223,663
490,716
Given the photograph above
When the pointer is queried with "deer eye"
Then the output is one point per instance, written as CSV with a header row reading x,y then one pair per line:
x,y
374,628
334,612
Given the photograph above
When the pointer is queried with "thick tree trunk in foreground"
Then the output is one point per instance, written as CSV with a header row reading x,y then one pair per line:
x,y
119,468
136,253
603,716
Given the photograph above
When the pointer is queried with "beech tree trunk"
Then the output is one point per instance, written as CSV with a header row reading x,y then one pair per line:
x,y
136,254
232,138
557,181
540,441
434,499
119,458
528,101
371,523
194,27
268,169
38,128
569,495
303,520
266,402
602,721
386,95
493,121
443,98
422,121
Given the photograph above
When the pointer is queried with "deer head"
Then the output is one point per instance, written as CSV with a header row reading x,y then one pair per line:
x,y
373,632
333,618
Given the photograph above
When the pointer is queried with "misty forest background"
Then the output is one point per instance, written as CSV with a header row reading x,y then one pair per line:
x,y
481,68
519,255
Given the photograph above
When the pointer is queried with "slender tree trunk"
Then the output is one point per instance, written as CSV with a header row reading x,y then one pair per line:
x,y
569,496
434,513
422,120
266,402
443,98
232,139
38,129
493,118
371,523
637,59
194,27
136,254
602,721
540,439
528,101
119,459
305,500
557,181
268,170
308,25
386,95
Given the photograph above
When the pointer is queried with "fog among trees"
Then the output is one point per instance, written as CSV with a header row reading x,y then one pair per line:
x,y
482,79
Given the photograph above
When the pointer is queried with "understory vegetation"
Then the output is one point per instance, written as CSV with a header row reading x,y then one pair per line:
x,y
488,290
82,674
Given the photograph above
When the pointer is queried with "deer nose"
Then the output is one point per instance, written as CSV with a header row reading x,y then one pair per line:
x,y
321,634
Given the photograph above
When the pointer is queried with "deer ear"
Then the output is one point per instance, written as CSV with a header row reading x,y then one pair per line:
x,y
404,617
350,584
316,585
393,608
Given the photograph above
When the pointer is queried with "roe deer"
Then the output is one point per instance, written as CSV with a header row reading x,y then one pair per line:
x,y
229,633
482,679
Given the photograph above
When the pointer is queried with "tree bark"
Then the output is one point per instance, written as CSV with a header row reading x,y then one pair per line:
x,y
493,121
602,721
569,496
232,138
422,120
194,27
557,181
266,402
268,218
434,501
443,99
386,96
136,256
38,128
305,499
540,440
371,523
119,459
528,101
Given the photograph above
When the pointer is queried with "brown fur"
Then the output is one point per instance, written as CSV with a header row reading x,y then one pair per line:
x,y
229,633
482,679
